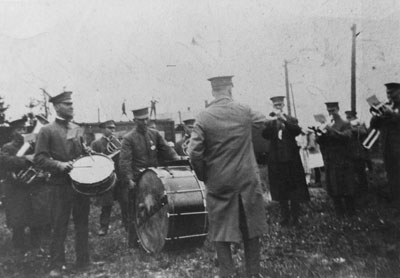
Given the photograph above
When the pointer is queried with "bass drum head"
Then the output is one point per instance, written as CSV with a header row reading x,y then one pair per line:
x,y
151,212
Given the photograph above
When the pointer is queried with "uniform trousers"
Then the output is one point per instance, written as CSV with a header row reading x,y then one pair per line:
x,y
251,250
64,202
392,166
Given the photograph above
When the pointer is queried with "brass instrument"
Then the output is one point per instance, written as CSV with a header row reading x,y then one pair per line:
x,y
30,174
113,146
377,110
27,176
185,145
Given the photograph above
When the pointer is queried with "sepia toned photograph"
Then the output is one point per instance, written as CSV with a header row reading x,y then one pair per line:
x,y
183,138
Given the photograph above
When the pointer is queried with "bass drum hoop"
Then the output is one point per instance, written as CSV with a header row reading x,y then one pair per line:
x,y
171,244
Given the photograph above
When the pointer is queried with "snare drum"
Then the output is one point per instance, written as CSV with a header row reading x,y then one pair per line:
x,y
93,174
170,209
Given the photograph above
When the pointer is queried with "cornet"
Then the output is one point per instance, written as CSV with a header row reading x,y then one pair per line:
x,y
114,145
30,174
377,110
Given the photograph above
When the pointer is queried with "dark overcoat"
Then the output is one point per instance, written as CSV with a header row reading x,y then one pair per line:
x,y
285,170
389,126
27,205
221,152
140,151
338,159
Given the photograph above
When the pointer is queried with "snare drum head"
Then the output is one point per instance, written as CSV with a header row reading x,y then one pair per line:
x,y
151,212
92,169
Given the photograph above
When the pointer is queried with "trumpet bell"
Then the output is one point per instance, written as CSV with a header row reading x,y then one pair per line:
x,y
114,145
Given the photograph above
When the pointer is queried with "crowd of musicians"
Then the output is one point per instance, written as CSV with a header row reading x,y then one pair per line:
x,y
218,144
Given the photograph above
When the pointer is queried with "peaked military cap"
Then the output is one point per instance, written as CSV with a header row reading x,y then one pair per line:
x,y
142,113
392,86
109,123
277,99
63,97
189,121
221,81
332,105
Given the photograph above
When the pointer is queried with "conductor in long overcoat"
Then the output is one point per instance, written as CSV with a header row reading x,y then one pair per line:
x,y
285,170
221,152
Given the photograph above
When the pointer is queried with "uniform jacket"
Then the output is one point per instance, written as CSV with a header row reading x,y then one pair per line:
x,y
338,159
359,133
26,205
221,152
140,151
59,141
389,127
100,146
286,172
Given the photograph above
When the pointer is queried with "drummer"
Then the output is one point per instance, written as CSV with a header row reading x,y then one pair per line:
x,y
108,144
58,144
140,149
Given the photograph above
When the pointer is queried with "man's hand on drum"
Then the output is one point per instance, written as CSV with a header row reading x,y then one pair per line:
x,y
65,166
131,185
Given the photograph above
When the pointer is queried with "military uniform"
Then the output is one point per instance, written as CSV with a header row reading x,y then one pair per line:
x,y
106,200
389,126
336,151
285,169
138,152
26,204
221,152
59,142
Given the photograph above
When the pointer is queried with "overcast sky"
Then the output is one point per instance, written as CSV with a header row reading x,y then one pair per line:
x,y
110,51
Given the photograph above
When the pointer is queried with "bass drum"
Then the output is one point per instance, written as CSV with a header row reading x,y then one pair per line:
x,y
93,175
170,209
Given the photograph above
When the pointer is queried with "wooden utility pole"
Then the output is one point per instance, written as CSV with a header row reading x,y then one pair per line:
x,y
98,114
294,103
353,69
287,90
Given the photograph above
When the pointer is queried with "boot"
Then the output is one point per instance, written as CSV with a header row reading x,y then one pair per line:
x,y
295,212
349,204
285,213
339,207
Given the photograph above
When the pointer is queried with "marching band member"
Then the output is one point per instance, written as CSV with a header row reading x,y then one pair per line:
x,y
188,127
106,145
140,149
388,123
26,204
58,144
221,152
335,143
360,154
285,170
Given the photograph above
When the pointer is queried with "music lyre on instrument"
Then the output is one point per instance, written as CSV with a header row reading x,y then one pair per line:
x,y
170,209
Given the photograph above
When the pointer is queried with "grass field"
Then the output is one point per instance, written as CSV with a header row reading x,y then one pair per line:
x,y
366,245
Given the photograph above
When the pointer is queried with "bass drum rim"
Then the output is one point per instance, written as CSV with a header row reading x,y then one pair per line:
x,y
165,213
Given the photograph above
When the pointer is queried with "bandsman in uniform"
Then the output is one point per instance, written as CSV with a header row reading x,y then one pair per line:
x,y
360,154
141,148
388,123
222,155
335,144
183,143
58,144
108,144
26,201
285,169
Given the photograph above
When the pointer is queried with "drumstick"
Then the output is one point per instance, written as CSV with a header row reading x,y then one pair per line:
x,y
83,166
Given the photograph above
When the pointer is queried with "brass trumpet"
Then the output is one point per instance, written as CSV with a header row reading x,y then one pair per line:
x,y
113,146
377,110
